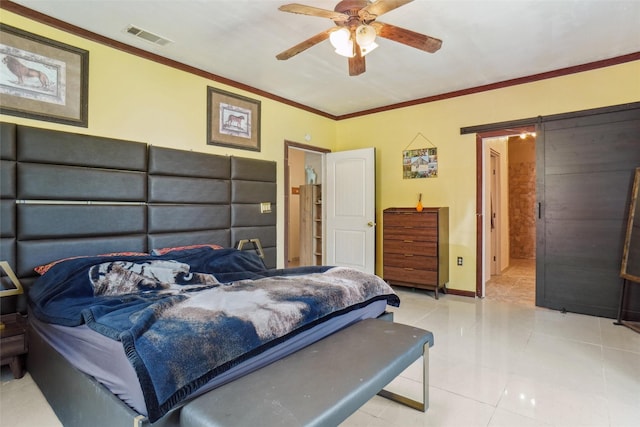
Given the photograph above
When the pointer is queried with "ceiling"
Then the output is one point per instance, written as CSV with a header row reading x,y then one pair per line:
x,y
484,42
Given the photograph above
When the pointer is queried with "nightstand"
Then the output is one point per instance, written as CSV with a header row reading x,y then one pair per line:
x,y
13,344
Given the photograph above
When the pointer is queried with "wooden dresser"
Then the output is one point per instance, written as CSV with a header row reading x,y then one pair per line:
x,y
416,247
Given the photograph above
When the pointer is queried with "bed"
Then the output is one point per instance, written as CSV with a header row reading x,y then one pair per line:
x,y
130,251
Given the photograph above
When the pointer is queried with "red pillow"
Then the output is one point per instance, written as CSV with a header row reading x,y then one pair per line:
x,y
41,269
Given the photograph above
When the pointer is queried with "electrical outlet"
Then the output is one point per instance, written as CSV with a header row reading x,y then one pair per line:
x,y
459,260
265,207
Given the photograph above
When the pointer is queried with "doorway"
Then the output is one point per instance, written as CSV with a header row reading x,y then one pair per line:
x,y
331,206
297,158
508,197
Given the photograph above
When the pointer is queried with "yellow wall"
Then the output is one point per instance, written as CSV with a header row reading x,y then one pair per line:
x,y
391,132
136,99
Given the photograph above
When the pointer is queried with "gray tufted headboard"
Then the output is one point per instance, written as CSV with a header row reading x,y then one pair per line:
x,y
65,194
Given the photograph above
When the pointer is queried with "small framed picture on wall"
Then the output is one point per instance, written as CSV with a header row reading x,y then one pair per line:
x,y
232,120
421,163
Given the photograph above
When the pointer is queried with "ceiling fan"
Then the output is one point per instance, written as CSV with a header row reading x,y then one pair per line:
x,y
356,29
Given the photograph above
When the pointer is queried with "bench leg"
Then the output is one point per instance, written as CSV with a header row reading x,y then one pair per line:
x,y
420,406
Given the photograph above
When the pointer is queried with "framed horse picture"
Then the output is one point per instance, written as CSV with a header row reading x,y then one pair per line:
x,y
232,120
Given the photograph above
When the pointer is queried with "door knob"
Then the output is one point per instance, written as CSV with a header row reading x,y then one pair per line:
x,y
371,223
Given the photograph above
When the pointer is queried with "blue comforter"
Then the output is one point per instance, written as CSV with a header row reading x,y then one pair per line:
x,y
187,316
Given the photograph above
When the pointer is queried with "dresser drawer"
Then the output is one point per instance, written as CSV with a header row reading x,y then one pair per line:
x,y
412,233
409,247
418,262
410,219
410,275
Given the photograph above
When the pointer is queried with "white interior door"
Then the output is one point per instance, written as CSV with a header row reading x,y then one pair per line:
x,y
350,209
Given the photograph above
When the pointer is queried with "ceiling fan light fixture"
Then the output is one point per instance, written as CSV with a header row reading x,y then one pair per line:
x,y
365,35
355,30
340,37
341,40
364,50
346,50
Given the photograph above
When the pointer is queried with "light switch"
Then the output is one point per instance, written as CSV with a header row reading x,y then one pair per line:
x,y
265,207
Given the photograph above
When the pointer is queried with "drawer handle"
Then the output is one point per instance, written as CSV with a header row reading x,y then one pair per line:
x,y
408,255
408,241
408,269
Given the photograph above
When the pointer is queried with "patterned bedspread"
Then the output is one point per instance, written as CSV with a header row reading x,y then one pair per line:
x,y
185,317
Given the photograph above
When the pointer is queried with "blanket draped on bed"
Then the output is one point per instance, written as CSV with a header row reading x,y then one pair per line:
x,y
185,317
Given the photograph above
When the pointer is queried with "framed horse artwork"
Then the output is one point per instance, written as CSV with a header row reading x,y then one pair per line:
x,y
232,120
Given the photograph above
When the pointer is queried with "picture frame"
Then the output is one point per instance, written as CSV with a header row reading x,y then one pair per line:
x,y
43,79
232,120
420,163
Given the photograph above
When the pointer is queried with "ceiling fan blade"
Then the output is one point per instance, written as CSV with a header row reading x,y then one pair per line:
x,y
380,7
408,37
313,11
357,65
300,47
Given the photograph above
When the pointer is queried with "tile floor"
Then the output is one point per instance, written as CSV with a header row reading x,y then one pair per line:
x,y
494,363
516,284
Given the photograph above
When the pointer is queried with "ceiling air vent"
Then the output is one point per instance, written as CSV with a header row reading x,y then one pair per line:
x,y
148,36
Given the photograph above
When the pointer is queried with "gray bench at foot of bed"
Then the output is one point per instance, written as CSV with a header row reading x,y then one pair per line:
x,y
320,385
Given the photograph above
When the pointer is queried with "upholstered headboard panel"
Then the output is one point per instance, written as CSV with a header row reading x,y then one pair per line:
x,y
204,198
189,198
254,182
66,194
8,227
77,195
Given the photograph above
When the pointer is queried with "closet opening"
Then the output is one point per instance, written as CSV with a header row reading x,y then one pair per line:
x,y
302,163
